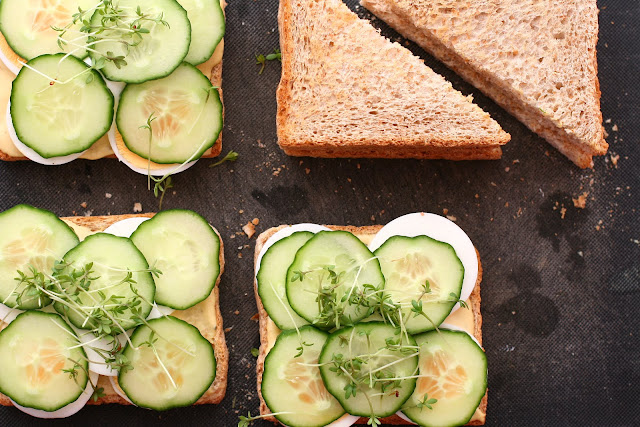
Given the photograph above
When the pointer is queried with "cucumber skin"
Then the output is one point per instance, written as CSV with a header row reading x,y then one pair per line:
x,y
423,337
411,328
97,77
86,364
222,34
304,315
158,76
217,254
260,288
55,218
212,93
368,325
285,334
173,319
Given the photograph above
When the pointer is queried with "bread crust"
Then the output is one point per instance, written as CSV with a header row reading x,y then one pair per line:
x,y
263,318
478,147
217,391
579,151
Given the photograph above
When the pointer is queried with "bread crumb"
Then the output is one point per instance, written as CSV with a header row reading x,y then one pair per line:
x,y
137,207
581,201
452,218
614,128
477,196
108,195
255,317
445,211
358,165
249,229
236,312
546,153
255,221
240,255
84,205
607,121
241,211
507,169
563,212
516,161
307,171
373,218
227,330
614,159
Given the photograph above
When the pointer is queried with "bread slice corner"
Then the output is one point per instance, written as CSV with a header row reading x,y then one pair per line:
x,y
265,324
347,91
536,59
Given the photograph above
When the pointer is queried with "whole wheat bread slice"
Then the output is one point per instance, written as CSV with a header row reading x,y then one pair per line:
x,y
206,316
536,58
266,343
346,91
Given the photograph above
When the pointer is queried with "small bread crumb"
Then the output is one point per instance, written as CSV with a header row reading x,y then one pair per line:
x,y
108,195
614,159
445,211
563,212
614,128
84,205
249,229
255,221
452,218
137,207
581,201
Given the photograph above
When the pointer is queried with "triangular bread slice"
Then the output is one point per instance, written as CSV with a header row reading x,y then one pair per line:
x,y
536,58
346,91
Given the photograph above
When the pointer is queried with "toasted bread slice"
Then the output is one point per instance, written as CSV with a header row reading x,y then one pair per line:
x,y
206,316
469,320
101,148
536,58
346,91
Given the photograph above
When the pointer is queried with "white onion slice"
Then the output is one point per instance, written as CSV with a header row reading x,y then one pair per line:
x,y
286,232
29,152
438,228
68,410
118,390
345,421
7,63
8,314
404,417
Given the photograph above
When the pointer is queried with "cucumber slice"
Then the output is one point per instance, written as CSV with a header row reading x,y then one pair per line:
x,y
34,350
453,370
407,264
27,26
30,237
175,370
272,277
207,28
65,117
334,262
112,259
291,387
187,111
154,55
367,352
182,245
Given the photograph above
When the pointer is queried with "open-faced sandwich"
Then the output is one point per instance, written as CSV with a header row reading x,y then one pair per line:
x,y
138,79
370,325
115,309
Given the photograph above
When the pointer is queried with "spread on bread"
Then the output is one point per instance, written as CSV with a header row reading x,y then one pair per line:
x,y
374,330
74,312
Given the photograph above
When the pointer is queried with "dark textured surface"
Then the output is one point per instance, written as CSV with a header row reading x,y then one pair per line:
x,y
561,286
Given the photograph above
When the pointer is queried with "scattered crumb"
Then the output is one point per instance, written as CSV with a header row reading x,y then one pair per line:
x,y
108,195
581,201
563,212
236,312
507,169
546,153
84,205
241,211
233,236
276,171
373,218
506,205
227,330
607,121
516,161
614,159
477,196
614,128
137,207
445,211
249,230
255,317
358,165
452,218
307,171
240,255
255,221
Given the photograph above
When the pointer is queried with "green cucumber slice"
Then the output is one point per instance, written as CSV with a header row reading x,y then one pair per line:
x,y
112,259
334,262
182,245
30,237
453,370
65,117
296,389
367,352
407,264
187,112
272,276
35,349
173,365
207,28
154,55
27,26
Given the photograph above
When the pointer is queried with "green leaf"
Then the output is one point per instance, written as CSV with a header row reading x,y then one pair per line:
x,y
255,352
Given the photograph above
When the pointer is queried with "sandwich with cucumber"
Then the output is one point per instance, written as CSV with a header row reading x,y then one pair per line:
x,y
136,79
370,325
116,309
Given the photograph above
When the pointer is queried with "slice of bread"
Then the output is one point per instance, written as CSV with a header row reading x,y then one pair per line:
x,y
536,58
470,320
346,91
206,316
101,148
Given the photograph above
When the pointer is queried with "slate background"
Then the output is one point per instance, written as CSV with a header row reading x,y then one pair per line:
x,y
560,296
